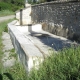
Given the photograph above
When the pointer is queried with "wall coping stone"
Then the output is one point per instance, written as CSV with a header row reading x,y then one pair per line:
x,y
55,2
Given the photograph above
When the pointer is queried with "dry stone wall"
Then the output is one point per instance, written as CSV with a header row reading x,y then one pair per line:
x,y
60,18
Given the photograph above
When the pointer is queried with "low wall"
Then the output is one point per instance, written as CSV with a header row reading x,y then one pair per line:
x,y
28,54
60,18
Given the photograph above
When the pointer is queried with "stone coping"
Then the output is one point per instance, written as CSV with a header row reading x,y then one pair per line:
x,y
26,50
24,41
52,2
32,44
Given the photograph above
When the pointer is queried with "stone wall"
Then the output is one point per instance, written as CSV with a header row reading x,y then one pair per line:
x,y
60,18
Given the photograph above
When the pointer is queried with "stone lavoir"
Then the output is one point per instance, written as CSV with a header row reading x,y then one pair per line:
x,y
33,36
59,18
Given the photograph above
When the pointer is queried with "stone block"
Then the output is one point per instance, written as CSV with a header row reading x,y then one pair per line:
x,y
24,16
26,51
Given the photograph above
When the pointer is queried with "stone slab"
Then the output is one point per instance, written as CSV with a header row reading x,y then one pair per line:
x,y
25,49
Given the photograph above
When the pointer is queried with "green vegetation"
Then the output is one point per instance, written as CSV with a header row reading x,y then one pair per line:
x,y
6,13
14,5
4,6
3,25
42,1
13,54
62,66
11,5
17,71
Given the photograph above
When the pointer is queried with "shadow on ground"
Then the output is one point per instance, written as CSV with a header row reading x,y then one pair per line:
x,y
56,43
8,75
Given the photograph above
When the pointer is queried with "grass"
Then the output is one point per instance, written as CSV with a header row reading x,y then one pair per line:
x,y
2,27
62,66
6,13
16,72
13,54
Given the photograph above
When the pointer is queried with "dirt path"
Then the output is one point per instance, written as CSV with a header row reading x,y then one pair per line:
x,y
5,18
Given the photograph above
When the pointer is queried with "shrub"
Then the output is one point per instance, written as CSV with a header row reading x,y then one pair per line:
x,y
16,72
15,8
5,6
62,66
6,12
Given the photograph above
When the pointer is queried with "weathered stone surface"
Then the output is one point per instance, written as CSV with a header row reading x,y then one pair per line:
x,y
61,18
6,59
24,16
27,52
33,45
27,5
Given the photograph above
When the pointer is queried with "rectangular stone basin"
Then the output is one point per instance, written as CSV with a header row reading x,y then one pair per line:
x,y
32,44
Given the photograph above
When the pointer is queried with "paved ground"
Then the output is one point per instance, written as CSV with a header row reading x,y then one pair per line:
x,y
7,60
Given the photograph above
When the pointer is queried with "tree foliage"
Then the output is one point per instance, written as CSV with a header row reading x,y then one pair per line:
x,y
11,4
17,4
41,1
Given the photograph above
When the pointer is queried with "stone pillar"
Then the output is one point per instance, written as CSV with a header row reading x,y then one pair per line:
x,y
24,15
